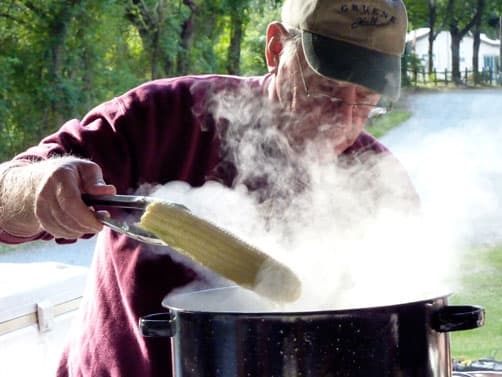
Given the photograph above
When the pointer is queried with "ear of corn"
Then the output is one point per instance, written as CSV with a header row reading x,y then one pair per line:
x,y
220,251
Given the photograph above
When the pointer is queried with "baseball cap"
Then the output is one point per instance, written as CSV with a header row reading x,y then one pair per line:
x,y
359,41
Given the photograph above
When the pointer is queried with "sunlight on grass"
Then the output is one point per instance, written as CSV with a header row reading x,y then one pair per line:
x,y
482,285
381,125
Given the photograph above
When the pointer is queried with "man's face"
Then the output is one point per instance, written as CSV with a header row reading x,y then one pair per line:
x,y
328,109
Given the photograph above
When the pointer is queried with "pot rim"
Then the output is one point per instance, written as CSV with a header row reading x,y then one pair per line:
x,y
183,302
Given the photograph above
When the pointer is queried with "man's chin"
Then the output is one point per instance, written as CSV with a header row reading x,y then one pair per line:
x,y
341,147
325,140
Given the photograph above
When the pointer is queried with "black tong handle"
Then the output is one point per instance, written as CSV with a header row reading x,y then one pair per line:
x,y
117,201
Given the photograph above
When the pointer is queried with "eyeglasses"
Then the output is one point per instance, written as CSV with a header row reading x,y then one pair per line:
x,y
369,103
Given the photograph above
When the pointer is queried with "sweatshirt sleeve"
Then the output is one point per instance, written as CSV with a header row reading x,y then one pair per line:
x,y
148,135
85,139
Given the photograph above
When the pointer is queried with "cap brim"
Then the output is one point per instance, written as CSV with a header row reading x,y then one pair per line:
x,y
347,62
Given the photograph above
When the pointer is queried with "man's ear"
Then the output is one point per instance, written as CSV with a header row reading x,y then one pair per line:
x,y
275,37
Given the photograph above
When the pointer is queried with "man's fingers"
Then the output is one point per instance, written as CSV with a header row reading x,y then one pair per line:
x,y
101,190
59,206
60,226
91,180
82,217
66,216
103,214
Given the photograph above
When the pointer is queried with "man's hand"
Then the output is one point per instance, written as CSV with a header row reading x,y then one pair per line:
x,y
46,195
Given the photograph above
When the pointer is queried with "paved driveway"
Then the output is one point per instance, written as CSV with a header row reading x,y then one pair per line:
x,y
452,147
78,253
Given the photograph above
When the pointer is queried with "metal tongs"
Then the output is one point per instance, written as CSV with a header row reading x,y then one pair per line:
x,y
207,244
134,202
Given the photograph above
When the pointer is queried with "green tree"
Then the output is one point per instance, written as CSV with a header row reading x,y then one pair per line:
x,y
461,18
477,39
158,24
59,57
253,51
436,21
493,25
430,14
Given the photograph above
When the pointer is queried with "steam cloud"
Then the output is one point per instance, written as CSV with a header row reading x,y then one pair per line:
x,y
348,231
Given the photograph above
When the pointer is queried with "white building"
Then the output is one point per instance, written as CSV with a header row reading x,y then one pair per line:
x,y
489,50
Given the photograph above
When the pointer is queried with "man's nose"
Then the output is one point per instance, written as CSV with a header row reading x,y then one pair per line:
x,y
348,94
348,97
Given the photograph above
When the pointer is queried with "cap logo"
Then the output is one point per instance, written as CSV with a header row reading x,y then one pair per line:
x,y
367,15
360,41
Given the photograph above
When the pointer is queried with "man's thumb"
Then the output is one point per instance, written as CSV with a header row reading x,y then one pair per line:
x,y
92,180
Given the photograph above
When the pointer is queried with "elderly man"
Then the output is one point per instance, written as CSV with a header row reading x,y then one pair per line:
x,y
329,63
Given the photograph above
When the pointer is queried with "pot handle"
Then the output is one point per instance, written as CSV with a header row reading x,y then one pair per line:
x,y
158,325
457,317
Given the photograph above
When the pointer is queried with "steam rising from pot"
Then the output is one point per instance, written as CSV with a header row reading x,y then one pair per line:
x,y
350,231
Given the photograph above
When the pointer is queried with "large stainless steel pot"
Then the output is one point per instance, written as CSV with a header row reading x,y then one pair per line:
x,y
229,340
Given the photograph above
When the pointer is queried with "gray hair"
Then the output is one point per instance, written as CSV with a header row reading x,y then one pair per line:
x,y
293,15
294,12
291,43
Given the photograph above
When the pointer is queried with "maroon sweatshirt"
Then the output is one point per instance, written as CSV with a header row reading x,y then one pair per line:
x,y
159,132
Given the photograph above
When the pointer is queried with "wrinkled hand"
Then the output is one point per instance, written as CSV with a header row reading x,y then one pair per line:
x,y
58,205
46,196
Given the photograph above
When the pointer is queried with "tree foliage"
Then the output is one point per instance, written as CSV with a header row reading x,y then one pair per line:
x,y
458,17
59,58
461,18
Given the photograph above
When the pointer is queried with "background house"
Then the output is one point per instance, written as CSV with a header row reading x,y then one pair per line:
x,y
489,50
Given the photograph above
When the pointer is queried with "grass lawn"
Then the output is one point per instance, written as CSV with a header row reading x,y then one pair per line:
x,y
482,285
379,126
